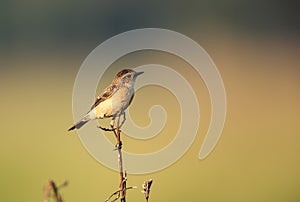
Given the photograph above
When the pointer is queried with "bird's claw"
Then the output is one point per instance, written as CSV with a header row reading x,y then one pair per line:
x,y
106,129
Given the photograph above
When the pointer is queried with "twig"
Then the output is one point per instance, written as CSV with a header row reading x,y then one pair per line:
x,y
121,193
120,160
51,186
146,188
118,194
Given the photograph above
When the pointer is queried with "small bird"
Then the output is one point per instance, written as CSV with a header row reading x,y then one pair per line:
x,y
113,101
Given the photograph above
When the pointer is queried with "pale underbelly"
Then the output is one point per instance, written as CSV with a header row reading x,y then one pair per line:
x,y
114,105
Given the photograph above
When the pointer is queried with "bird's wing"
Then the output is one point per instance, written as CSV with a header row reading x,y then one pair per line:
x,y
107,93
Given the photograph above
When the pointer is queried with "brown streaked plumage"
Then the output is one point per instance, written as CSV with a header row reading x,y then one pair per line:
x,y
114,100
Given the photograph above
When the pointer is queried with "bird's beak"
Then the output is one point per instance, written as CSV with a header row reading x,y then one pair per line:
x,y
138,73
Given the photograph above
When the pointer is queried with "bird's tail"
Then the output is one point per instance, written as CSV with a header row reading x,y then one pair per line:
x,y
80,123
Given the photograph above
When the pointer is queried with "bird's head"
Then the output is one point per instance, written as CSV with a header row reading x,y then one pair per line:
x,y
127,76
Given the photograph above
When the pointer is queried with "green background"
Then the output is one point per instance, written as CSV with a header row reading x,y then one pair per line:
x,y
255,46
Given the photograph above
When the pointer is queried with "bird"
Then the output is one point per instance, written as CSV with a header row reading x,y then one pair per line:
x,y
113,101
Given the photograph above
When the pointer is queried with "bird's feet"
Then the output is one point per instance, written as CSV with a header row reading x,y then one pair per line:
x,y
107,129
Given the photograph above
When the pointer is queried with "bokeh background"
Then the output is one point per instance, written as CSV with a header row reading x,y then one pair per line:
x,y
256,47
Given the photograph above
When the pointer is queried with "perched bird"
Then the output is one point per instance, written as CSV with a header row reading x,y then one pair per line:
x,y
113,101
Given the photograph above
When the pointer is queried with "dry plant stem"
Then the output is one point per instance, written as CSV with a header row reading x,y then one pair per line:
x,y
122,178
117,194
146,188
47,191
121,193
51,186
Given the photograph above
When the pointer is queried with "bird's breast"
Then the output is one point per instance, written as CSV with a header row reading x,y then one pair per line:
x,y
115,104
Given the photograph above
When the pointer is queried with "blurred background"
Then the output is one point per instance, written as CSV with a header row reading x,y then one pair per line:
x,y
256,47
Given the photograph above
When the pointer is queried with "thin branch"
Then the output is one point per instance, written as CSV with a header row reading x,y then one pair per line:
x,y
120,160
121,193
51,186
146,188
118,194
